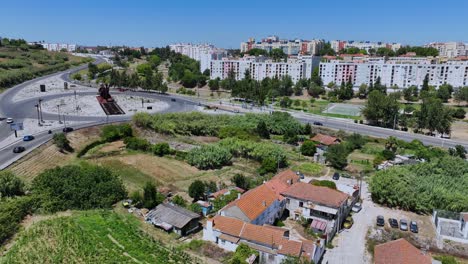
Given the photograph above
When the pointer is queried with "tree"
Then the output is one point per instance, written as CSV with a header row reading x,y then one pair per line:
x,y
458,113
154,61
425,85
196,208
61,141
315,90
461,94
262,130
308,148
92,70
214,84
434,116
381,109
197,190
257,52
458,151
10,185
277,55
315,78
444,92
150,195
307,129
336,155
290,137
410,94
240,181
362,93
178,200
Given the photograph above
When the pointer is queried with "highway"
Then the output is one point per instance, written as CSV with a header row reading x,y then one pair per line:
x,y
20,110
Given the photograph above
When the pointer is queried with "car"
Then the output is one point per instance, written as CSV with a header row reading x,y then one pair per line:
x,y
357,207
403,225
393,222
413,227
67,129
173,99
28,138
19,149
9,120
316,123
336,176
380,220
348,222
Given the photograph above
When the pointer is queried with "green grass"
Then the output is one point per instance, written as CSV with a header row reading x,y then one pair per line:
x,y
90,237
309,169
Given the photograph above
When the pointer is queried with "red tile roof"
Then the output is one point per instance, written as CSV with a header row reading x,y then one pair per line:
x,y
255,201
325,139
225,190
318,194
399,252
282,181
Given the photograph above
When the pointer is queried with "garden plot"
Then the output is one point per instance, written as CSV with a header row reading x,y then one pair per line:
x,y
87,105
344,109
54,85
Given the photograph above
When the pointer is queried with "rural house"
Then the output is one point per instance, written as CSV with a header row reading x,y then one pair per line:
x,y
451,225
327,208
324,141
172,217
400,251
273,243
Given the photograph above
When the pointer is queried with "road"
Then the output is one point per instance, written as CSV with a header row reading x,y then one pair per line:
x,y
20,110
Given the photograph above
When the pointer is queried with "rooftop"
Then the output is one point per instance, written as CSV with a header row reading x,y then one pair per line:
x,y
174,215
318,194
325,139
399,252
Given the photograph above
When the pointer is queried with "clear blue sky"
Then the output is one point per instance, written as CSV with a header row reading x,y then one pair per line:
x,y
227,23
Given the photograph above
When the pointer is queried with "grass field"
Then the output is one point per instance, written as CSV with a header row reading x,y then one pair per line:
x,y
309,169
91,237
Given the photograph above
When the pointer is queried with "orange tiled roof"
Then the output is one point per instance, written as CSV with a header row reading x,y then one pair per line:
x,y
281,182
399,252
325,139
322,195
231,226
290,247
255,201
225,190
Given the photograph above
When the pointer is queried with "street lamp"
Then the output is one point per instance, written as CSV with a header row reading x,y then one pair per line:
x,y
58,113
38,116
40,109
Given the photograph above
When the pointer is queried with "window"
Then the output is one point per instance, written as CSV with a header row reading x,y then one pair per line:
x,y
301,204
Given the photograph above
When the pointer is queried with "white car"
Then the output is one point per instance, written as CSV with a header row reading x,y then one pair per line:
x,y
9,120
357,207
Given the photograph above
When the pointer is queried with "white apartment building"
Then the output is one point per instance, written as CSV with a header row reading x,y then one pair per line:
x,y
297,68
450,49
58,46
289,47
338,45
203,53
399,72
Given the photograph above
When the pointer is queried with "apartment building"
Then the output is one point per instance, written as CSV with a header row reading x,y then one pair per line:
x,y
289,47
338,45
401,71
450,49
203,53
297,68
57,46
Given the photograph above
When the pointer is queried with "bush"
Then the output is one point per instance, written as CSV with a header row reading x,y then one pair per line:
x,y
240,181
325,183
209,157
197,189
89,147
459,113
135,143
111,133
308,148
161,149
196,208
12,212
177,200
62,142
10,185
336,155
269,165
77,187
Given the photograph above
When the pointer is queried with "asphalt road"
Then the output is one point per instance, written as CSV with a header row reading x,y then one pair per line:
x,y
25,109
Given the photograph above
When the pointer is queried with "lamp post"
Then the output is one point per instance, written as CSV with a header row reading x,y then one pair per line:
x,y
40,109
58,113
38,116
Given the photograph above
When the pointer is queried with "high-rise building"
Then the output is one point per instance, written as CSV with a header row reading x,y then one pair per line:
x,y
338,45
203,53
289,47
450,49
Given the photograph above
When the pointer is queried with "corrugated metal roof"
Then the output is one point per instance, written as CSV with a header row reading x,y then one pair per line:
x,y
171,214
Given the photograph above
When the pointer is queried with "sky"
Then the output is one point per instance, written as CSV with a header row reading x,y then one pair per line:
x,y
227,23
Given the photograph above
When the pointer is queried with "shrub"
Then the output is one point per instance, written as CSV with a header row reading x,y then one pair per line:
x,y
62,142
177,200
111,133
12,212
137,143
197,189
196,208
10,185
269,165
209,157
240,181
89,147
336,155
459,113
161,149
308,148
150,196
325,183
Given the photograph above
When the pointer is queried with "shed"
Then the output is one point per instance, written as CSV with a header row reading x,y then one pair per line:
x,y
172,217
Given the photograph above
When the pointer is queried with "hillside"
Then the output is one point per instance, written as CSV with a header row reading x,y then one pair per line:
x,y
20,62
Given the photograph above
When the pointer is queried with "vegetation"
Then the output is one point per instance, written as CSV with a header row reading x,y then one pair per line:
x,y
439,184
325,183
241,181
223,200
111,133
308,148
10,185
150,196
62,142
209,157
68,187
91,237
12,212
242,253
197,190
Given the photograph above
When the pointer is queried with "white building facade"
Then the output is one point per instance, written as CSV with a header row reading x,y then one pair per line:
x,y
338,45
289,47
395,72
450,49
58,46
203,53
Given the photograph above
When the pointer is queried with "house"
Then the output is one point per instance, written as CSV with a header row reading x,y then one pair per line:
x,y
327,208
400,251
273,243
451,225
206,207
258,206
325,140
172,217
282,181
225,191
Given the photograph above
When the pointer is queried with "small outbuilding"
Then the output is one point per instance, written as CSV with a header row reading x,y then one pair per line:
x,y
173,218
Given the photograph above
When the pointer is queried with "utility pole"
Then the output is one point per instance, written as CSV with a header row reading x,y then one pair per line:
x,y
38,116
40,109
58,113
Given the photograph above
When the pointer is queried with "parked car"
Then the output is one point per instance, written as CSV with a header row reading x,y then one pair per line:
x,y
380,220
357,207
393,222
413,227
403,225
316,123
173,99
9,120
336,176
67,129
348,222
19,149
28,138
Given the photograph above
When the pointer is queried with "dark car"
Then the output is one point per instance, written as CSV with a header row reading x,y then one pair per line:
x,y
393,222
28,138
316,123
19,149
380,220
173,99
403,225
67,129
336,176
414,227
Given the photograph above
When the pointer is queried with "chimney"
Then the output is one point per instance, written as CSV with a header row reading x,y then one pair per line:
x,y
264,203
289,182
238,196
